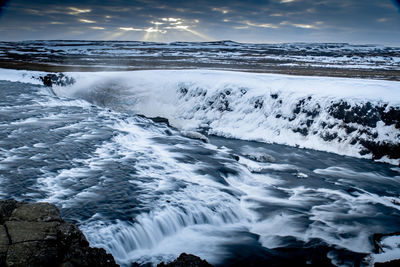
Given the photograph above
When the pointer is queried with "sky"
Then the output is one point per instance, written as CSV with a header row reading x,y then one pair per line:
x,y
251,21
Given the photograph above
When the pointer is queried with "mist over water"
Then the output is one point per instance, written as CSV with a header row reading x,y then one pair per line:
x,y
146,193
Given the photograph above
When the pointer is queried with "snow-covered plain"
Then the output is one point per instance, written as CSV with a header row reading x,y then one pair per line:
x,y
220,53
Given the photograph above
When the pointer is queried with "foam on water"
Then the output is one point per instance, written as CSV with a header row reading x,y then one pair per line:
x,y
390,249
344,116
329,114
146,193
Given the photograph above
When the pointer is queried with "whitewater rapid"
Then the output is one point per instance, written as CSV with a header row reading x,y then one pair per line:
x,y
354,117
147,192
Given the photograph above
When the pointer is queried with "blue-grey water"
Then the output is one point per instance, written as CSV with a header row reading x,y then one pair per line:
x,y
146,193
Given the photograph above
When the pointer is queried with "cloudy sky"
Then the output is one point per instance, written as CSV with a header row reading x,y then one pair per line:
x,y
259,21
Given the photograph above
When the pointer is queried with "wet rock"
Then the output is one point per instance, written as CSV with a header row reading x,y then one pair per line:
x,y
6,208
366,114
303,131
260,157
258,103
186,260
349,129
35,253
56,79
381,149
160,120
393,263
329,136
274,96
39,212
4,241
377,239
392,117
195,135
31,231
218,102
36,235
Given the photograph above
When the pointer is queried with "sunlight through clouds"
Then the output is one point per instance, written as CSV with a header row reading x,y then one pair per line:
x,y
130,29
262,25
87,21
222,10
374,21
97,28
77,11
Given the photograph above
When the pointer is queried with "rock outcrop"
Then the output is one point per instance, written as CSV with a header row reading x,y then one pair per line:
x,y
56,79
186,260
36,235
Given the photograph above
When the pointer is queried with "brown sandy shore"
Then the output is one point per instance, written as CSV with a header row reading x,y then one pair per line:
x,y
380,74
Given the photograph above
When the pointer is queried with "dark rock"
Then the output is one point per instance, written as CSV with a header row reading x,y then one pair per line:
x,y
183,90
392,117
219,102
309,123
365,114
6,208
377,240
235,157
56,79
4,242
349,129
160,120
314,112
20,232
303,131
195,135
378,249
393,263
258,103
36,235
35,253
274,96
39,212
380,149
186,260
329,136
260,157
299,106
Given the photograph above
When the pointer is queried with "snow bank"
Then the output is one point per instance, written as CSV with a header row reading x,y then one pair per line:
x,y
354,117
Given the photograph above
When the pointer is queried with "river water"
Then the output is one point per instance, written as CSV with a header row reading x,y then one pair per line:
x,y
146,192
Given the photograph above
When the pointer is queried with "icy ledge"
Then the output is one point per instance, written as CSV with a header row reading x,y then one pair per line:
x,y
353,117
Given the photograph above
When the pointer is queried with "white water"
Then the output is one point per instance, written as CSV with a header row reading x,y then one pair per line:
x,y
186,195
239,105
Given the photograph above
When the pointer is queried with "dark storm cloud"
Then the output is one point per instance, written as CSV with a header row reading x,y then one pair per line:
x,y
397,2
373,21
3,3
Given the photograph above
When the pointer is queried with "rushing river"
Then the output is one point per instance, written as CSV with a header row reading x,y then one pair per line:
x,y
146,191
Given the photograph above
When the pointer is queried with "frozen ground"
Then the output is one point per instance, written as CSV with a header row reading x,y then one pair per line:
x,y
330,59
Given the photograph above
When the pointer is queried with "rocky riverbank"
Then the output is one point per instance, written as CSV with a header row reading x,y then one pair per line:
x,y
36,235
